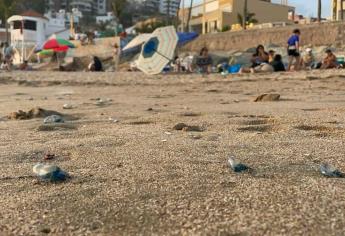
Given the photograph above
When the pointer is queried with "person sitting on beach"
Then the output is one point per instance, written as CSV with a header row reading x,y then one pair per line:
x,y
271,55
259,57
330,61
278,64
293,49
8,55
95,65
308,59
176,64
263,68
204,61
187,63
25,66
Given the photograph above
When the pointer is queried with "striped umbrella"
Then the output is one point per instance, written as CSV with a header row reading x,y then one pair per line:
x,y
57,43
50,52
158,51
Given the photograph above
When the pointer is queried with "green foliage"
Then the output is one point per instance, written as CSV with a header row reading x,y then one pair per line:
x,y
226,28
149,28
7,8
118,7
11,7
250,18
36,5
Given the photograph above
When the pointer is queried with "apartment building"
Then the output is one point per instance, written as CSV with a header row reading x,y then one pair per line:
x,y
213,15
170,7
338,12
99,7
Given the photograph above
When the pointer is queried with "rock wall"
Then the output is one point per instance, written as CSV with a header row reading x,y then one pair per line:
x,y
314,34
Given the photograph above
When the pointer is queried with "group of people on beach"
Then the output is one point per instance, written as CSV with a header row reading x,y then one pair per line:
x,y
6,56
263,61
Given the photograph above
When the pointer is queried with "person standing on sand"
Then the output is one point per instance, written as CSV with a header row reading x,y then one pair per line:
x,y
116,56
293,49
1,51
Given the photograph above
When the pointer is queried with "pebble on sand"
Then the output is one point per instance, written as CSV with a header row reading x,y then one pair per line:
x,y
188,128
235,165
53,119
67,106
330,171
47,172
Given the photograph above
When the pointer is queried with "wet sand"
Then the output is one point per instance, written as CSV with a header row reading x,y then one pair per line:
x,y
140,176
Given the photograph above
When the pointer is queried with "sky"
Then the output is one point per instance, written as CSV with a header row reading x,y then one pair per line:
x,y
309,7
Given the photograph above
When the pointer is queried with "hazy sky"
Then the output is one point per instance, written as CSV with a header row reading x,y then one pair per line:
x,y
309,7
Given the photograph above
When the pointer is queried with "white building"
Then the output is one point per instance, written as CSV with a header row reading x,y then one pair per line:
x,y
172,5
86,6
31,29
104,19
101,7
83,5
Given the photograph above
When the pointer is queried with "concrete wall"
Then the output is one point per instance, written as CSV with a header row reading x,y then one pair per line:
x,y
103,47
316,35
264,11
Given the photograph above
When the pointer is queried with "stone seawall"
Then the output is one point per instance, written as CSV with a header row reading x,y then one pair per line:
x,y
315,35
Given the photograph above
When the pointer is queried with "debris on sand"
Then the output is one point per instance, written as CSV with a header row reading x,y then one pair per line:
x,y
67,106
330,171
188,128
53,119
103,102
193,128
52,173
113,119
180,126
236,166
195,136
36,112
268,97
309,77
49,156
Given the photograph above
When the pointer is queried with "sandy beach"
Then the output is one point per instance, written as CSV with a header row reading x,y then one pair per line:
x,y
133,174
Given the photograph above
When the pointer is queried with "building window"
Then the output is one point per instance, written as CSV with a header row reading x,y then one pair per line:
x,y
30,25
17,25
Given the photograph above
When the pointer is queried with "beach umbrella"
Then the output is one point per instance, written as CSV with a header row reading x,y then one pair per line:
x,y
158,51
137,41
49,52
184,38
57,43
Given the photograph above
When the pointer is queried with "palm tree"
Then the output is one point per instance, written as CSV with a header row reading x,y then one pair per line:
x,y
250,18
118,7
244,18
319,10
7,7
341,10
168,12
189,14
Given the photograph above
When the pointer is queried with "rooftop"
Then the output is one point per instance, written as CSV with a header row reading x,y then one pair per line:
x,y
32,13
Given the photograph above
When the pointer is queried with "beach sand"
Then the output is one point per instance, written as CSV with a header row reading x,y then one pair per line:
x,y
139,176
